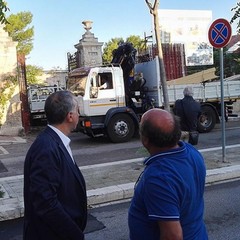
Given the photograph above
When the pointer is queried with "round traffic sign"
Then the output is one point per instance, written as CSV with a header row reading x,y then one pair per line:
x,y
219,33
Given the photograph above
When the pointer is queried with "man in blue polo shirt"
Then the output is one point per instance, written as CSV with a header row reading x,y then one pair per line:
x,y
168,198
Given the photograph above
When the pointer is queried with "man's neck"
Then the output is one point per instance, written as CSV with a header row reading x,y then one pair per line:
x,y
62,128
155,150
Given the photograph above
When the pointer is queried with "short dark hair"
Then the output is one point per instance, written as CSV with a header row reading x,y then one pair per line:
x,y
158,137
58,105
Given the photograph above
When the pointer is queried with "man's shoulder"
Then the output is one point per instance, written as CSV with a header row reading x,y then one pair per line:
x,y
178,101
190,100
193,151
177,106
46,137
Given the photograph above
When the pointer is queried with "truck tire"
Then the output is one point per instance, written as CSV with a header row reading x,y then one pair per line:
x,y
120,128
207,120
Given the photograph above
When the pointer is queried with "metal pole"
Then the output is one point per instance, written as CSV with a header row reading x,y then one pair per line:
x,y
23,92
222,107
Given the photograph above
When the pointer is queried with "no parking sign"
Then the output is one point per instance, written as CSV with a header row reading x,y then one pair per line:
x,y
220,33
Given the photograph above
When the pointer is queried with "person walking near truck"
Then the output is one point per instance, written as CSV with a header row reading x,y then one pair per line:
x,y
189,110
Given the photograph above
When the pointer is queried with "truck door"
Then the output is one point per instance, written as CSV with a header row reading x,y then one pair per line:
x,y
102,94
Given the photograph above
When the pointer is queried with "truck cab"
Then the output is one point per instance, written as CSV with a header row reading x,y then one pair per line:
x,y
98,89
103,102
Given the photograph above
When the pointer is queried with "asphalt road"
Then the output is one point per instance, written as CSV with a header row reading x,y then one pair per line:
x,y
222,217
88,151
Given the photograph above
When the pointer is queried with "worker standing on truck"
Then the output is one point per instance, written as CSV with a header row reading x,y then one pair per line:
x,y
189,110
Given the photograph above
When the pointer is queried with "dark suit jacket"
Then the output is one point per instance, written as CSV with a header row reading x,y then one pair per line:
x,y
54,192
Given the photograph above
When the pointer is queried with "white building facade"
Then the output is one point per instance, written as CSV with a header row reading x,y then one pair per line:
x,y
189,27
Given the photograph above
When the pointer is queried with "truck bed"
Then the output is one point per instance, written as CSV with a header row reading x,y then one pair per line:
x,y
207,92
203,91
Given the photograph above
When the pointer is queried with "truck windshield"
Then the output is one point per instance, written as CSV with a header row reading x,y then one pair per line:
x,y
77,85
76,81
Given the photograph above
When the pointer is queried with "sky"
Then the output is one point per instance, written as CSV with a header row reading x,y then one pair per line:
x,y
58,23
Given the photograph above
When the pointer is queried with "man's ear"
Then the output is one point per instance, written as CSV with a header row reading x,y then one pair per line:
x,y
69,117
145,141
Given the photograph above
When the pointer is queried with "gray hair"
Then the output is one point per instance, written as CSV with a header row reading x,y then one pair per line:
x,y
58,105
188,91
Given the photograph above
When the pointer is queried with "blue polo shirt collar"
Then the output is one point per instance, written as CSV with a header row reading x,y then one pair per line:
x,y
181,148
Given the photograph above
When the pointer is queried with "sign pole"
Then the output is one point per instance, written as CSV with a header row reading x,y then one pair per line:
x,y
222,106
219,34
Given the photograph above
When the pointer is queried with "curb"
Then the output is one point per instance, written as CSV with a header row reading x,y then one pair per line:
x,y
12,207
219,175
125,191
110,194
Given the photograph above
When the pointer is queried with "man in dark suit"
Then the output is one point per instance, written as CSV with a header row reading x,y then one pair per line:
x,y
55,198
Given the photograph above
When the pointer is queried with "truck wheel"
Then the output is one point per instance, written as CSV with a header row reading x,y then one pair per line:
x,y
120,128
207,120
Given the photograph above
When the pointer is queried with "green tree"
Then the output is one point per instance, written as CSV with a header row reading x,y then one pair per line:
x,y
19,29
137,42
32,74
236,15
3,9
231,62
109,47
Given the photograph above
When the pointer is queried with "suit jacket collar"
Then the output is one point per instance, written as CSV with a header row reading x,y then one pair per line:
x,y
65,139
67,157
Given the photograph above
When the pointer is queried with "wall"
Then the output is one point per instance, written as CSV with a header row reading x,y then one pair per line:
x,y
8,54
56,77
11,123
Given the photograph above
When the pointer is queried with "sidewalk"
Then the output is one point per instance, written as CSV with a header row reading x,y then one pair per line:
x,y
115,181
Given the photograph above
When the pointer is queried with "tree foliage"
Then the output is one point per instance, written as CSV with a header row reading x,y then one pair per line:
x,y
109,47
32,74
231,62
236,15
137,42
3,9
19,29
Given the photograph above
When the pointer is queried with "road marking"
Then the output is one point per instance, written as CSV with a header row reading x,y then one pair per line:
x,y
113,163
3,150
20,140
140,160
218,148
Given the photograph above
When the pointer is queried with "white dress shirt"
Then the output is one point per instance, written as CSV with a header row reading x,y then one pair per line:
x,y
66,140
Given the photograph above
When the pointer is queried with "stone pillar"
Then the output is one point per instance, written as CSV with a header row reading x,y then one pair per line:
x,y
10,122
8,56
89,50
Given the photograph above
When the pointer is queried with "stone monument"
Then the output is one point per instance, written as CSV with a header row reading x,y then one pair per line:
x,y
89,49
